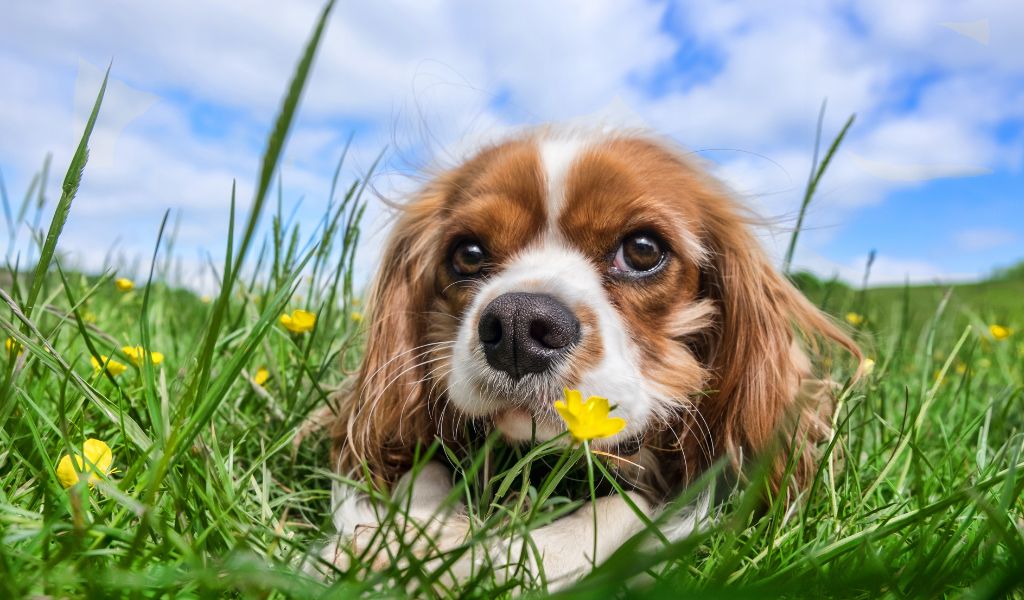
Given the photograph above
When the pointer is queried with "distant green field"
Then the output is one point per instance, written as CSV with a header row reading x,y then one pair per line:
x,y
918,495
980,304
1000,300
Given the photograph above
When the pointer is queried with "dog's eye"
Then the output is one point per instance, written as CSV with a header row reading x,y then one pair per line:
x,y
468,258
638,253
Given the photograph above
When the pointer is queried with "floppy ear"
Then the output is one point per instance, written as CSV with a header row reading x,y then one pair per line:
x,y
383,413
765,398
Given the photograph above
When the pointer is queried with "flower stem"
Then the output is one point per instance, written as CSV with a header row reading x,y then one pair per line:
x,y
593,498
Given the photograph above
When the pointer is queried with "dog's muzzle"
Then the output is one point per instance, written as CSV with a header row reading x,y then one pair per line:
x,y
525,333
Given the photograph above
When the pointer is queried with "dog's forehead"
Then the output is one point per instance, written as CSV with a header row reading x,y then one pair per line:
x,y
579,188
510,169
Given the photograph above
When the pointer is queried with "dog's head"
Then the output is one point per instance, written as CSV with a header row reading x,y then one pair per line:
x,y
604,263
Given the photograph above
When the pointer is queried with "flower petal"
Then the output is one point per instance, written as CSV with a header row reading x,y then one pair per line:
x,y
573,399
66,472
98,453
567,415
597,407
610,427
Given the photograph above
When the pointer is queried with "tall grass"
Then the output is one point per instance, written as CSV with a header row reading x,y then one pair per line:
x,y
918,494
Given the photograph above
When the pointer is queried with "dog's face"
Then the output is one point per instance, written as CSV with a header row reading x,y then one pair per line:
x,y
607,264
566,263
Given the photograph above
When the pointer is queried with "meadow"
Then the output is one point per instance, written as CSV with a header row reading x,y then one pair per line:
x,y
206,495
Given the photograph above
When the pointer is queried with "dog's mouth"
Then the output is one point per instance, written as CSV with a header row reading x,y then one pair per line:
x,y
519,424
525,414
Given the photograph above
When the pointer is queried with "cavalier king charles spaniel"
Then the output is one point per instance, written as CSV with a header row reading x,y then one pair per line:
x,y
605,262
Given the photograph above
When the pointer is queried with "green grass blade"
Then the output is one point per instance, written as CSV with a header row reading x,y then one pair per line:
x,y
72,180
817,172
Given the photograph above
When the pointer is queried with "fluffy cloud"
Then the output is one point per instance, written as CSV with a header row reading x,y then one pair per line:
x,y
974,240
887,270
431,80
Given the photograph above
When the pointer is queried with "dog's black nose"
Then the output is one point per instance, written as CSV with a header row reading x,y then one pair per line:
x,y
523,333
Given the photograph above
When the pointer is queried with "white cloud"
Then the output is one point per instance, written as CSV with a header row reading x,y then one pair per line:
x,y
431,80
974,240
123,104
886,270
976,30
920,172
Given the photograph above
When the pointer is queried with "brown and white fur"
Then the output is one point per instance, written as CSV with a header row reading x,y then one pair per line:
x,y
709,355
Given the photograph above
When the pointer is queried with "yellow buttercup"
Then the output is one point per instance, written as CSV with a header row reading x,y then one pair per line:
x,y
136,354
97,462
588,420
113,367
299,321
11,345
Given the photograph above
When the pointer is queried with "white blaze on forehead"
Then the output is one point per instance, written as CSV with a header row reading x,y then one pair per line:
x,y
557,156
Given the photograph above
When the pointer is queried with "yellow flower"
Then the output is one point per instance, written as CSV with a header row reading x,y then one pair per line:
x,y
10,345
300,321
999,332
261,376
587,420
357,316
854,319
124,285
89,317
136,353
114,367
961,368
867,366
205,299
98,459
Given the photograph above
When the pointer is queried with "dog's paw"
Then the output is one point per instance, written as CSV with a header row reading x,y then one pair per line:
x,y
396,545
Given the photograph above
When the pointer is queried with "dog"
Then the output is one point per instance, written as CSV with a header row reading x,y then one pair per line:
x,y
608,262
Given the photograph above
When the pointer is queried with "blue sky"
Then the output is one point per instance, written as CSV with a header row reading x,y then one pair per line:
x,y
930,176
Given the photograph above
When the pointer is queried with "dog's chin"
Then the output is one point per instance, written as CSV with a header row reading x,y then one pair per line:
x,y
516,423
520,425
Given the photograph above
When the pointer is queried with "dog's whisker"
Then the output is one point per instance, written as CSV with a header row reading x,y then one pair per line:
x,y
372,404
401,354
375,401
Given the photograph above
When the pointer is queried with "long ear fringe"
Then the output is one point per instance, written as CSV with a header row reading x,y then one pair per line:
x,y
384,415
763,402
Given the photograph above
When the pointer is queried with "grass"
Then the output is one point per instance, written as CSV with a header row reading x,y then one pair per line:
x,y
918,495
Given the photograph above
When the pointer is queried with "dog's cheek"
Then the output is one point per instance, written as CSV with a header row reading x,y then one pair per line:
x,y
588,355
673,371
443,321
